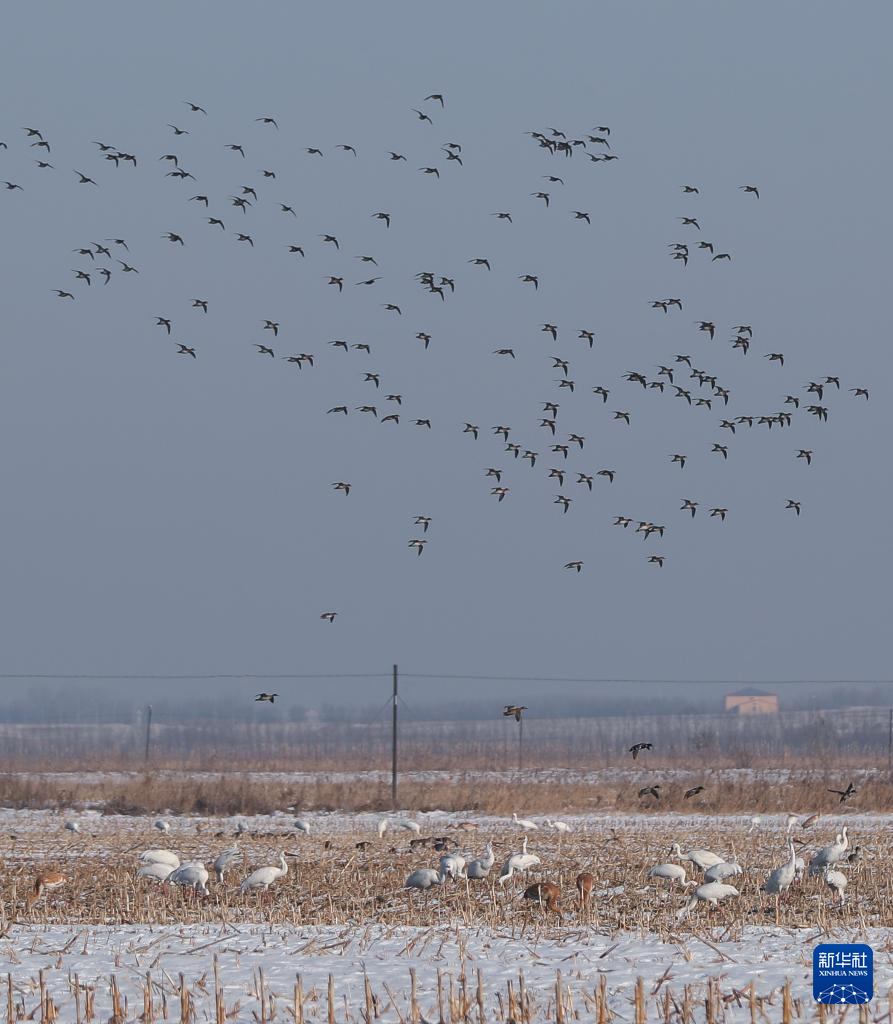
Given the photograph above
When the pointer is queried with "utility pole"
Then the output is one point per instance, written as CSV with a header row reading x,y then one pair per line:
x,y
148,730
890,743
394,744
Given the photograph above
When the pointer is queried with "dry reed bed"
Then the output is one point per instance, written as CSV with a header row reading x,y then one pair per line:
x,y
231,793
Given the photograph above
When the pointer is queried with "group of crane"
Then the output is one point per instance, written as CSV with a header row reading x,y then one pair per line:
x,y
712,889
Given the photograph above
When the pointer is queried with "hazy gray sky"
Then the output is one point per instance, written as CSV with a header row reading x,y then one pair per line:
x,y
168,515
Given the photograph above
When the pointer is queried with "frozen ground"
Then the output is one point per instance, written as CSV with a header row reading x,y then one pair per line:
x,y
766,956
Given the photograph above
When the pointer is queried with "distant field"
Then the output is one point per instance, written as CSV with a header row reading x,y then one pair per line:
x,y
858,737
547,790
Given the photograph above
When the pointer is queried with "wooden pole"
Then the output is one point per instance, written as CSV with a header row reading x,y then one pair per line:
x,y
148,731
394,744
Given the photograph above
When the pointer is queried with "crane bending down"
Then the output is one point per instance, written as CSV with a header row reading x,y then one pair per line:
x,y
671,872
423,879
710,892
160,857
157,870
264,877
49,880
193,875
702,859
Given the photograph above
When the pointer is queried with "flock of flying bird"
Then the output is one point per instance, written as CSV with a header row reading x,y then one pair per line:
x,y
543,442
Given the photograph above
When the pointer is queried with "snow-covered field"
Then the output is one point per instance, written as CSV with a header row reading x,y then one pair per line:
x,y
342,912
768,957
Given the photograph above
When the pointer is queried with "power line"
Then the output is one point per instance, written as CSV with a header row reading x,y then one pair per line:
x,y
469,677
173,676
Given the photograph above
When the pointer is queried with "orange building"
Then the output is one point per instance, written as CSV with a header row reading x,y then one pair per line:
x,y
752,701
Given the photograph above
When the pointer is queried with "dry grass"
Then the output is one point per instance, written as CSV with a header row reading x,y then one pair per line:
x,y
209,793
333,883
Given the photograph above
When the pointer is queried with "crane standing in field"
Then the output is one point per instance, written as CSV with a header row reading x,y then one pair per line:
x,y
264,877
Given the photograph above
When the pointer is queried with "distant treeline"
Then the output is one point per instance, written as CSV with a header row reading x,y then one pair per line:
x,y
83,703
720,739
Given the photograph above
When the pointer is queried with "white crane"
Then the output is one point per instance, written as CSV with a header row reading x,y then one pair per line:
x,y
830,854
264,877
194,875
836,882
671,872
790,822
782,878
723,870
558,826
518,862
160,857
156,870
223,862
423,879
161,825
382,827
755,822
709,892
452,866
525,823
410,826
72,826
480,868
702,859
302,826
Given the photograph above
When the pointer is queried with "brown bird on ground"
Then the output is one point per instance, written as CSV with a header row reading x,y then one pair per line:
x,y
547,894
584,884
45,880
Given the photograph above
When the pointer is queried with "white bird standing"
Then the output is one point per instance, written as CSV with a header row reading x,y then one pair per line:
x,y
160,857
702,859
302,826
725,869
755,822
709,892
161,825
157,870
836,882
423,879
790,822
518,863
558,826
72,826
410,826
223,862
781,878
671,872
194,874
480,868
382,827
525,823
264,877
830,854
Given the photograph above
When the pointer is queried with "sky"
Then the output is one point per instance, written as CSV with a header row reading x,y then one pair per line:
x,y
164,515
